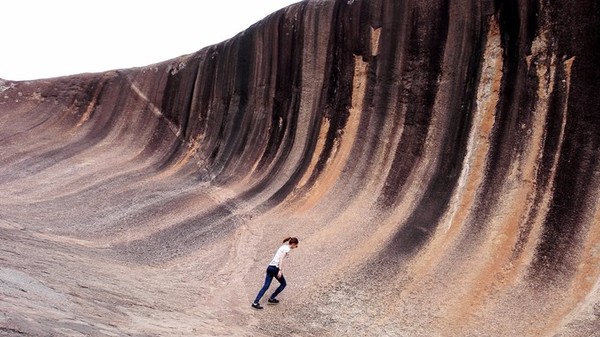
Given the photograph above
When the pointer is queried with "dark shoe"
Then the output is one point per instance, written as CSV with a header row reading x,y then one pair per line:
x,y
257,306
273,300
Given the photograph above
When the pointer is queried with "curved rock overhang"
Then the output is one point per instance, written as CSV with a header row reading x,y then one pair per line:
x,y
439,161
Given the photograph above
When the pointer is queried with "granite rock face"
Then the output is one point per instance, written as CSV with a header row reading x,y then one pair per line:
x,y
438,160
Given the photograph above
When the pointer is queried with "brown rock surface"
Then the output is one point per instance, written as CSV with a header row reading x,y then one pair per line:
x,y
439,162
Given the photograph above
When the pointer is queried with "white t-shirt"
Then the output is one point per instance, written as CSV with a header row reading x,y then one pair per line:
x,y
280,255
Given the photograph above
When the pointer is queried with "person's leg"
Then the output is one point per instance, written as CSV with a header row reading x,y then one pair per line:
x,y
279,289
266,286
271,272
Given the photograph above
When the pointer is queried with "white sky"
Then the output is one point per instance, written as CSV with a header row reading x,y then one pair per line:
x,y
49,38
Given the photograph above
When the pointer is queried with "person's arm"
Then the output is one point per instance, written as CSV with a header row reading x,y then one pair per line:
x,y
280,273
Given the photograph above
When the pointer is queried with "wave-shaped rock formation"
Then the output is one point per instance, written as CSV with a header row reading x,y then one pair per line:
x,y
438,160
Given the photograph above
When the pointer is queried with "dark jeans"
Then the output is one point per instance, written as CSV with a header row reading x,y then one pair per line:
x,y
271,273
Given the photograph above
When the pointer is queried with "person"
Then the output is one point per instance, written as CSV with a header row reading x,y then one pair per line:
x,y
275,270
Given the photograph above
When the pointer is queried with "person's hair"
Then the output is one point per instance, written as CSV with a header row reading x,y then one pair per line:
x,y
291,240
